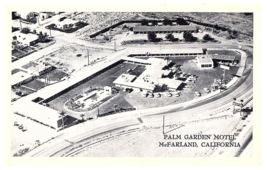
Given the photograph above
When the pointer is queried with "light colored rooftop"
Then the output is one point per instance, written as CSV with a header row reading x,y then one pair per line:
x,y
38,112
171,83
124,78
205,60
19,77
25,38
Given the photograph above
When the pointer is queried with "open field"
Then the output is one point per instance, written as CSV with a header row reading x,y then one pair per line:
x,y
242,22
74,57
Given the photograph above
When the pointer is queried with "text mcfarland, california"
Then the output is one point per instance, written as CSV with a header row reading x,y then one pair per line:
x,y
226,141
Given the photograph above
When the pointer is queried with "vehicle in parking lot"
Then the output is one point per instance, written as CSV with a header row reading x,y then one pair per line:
x,y
206,90
151,95
21,126
177,95
170,95
197,93
16,123
159,94
24,129
144,94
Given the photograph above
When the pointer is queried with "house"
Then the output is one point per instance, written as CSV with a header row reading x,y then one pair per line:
x,y
45,15
65,23
27,39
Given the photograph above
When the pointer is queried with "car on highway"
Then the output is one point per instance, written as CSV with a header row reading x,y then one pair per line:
x,y
197,93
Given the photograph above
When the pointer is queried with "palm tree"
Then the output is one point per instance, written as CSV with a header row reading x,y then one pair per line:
x,y
62,113
82,115
115,108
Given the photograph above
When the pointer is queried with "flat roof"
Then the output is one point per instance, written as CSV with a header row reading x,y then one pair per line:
x,y
37,112
171,83
21,37
124,78
164,28
205,60
223,57
167,51
19,77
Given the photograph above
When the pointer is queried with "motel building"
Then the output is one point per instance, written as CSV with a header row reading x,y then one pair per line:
x,y
164,29
153,76
204,62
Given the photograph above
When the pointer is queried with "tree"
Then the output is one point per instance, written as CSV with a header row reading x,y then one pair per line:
x,y
152,36
82,115
170,37
41,36
207,37
25,30
62,113
115,108
189,37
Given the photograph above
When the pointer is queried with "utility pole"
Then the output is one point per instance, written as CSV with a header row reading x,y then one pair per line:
x,y
50,32
114,45
163,123
88,56
38,20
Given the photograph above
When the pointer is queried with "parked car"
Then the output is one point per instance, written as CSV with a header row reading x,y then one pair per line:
x,y
206,90
197,93
16,123
170,95
21,126
159,94
24,129
177,95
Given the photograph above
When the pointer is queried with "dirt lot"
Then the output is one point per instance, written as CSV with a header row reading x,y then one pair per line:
x,y
74,57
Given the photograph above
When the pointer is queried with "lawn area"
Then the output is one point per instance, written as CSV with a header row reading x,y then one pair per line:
x,y
17,53
117,100
55,75
35,84
15,71
138,70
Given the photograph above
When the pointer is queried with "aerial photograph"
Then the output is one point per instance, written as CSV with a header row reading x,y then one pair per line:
x,y
131,84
